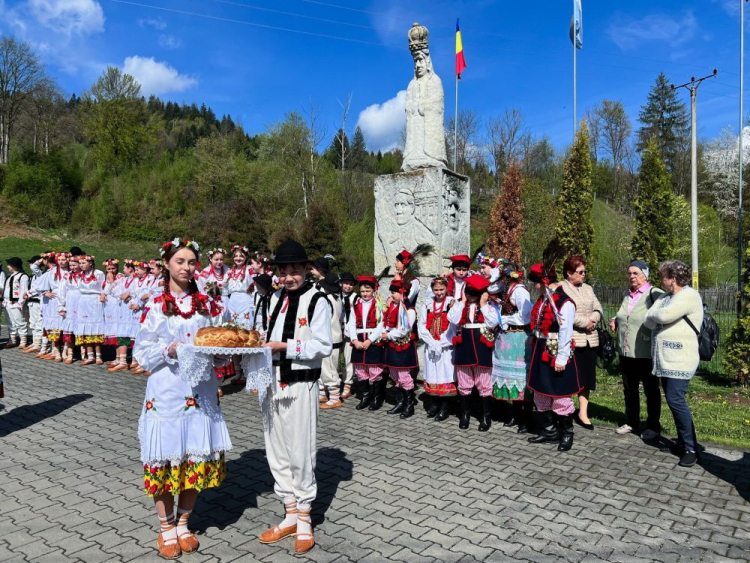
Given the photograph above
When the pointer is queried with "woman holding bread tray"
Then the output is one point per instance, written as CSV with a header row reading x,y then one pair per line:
x,y
181,430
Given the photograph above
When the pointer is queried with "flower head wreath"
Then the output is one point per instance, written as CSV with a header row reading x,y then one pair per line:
x,y
111,262
244,249
129,262
87,257
178,243
485,259
140,264
217,250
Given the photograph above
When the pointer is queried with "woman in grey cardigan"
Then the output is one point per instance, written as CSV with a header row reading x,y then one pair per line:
x,y
634,348
674,348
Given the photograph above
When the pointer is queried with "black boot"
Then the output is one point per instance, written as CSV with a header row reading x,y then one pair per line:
x,y
364,394
486,420
434,407
465,414
566,439
550,432
410,402
443,412
377,392
401,401
524,423
515,414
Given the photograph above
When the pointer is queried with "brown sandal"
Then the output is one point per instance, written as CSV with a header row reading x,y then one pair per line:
x,y
304,542
272,535
188,542
171,551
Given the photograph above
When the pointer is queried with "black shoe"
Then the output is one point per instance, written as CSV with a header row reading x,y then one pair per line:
x,y
688,459
516,415
486,421
465,413
526,417
434,407
566,439
443,412
364,394
400,402
579,422
378,394
677,449
550,431
410,402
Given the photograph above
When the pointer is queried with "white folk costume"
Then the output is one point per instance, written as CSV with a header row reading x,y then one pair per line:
x,y
347,302
90,319
34,305
182,431
51,319
68,299
439,373
130,308
302,320
240,303
15,288
110,290
213,282
330,379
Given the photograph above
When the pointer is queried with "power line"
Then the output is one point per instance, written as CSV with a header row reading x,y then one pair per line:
x,y
243,22
271,10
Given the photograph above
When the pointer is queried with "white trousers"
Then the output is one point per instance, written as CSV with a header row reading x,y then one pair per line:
x,y
348,364
329,372
16,320
291,441
35,321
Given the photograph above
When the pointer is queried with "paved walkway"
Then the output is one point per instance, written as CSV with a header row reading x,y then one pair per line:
x,y
390,490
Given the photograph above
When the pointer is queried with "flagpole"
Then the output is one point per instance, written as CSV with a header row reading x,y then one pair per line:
x,y
455,130
575,38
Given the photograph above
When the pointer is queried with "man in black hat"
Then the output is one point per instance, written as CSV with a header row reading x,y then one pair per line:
x,y
348,299
299,335
36,332
15,288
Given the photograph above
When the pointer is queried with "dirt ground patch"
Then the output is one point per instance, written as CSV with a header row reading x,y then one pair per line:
x,y
12,230
730,398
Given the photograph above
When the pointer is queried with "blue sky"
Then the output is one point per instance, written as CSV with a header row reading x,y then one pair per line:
x,y
259,59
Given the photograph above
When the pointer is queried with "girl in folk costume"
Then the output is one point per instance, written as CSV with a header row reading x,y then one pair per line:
x,y
111,303
348,297
512,349
299,336
439,372
240,288
181,430
50,285
214,277
260,264
90,318
156,271
364,330
124,327
15,290
405,265
134,295
460,265
400,337
33,302
67,307
473,321
553,376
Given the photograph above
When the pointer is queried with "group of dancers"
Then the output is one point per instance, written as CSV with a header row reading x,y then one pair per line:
x,y
477,329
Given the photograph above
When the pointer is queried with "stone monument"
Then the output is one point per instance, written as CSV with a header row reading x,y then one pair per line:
x,y
426,202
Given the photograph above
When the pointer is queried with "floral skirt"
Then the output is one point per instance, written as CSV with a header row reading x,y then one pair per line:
x,y
173,479
54,335
90,339
510,365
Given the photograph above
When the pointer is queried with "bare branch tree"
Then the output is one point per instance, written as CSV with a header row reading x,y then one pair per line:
x,y
507,140
341,135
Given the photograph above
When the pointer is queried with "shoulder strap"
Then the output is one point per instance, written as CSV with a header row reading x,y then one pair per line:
x,y
697,332
313,302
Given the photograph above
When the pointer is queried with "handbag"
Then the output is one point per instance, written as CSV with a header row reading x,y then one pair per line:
x,y
606,351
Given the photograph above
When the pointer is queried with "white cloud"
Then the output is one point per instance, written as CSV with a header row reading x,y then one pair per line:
x,y
382,124
731,7
170,42
157,77
69,17
628,33
156,23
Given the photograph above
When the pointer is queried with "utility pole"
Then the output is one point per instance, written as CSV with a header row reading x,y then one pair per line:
x,y
692,86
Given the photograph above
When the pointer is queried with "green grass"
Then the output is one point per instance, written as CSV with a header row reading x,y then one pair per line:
x,y
102,248
721,410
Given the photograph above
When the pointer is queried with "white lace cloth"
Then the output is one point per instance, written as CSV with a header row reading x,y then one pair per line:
x,y
197,364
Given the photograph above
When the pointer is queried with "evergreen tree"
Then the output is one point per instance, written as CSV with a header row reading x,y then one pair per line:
x,y
737,354
506,218
665,117
653,241
574,231
358,152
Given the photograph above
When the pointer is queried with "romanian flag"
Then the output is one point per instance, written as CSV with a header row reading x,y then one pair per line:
x,y
460,62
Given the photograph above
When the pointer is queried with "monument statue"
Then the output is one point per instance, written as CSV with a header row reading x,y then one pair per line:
x,y
425,108
425,203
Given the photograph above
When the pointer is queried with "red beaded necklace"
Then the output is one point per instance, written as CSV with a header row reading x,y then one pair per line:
x,y
169,298
215,275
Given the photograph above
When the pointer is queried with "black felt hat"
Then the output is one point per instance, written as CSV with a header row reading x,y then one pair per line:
x,y
330,284
76,251
264,281
16,262
348,278
34,259
290,252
